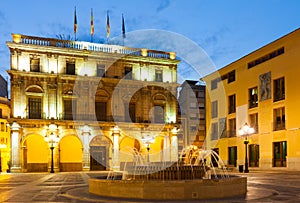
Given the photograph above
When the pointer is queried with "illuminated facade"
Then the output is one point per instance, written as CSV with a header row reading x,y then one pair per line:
x,y
4,134
192,114
260,89
100,102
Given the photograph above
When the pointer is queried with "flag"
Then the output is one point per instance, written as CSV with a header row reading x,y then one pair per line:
x,y
92,23
123,27
107,26
75,22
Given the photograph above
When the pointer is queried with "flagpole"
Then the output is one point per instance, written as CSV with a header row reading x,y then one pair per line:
x,y
123,29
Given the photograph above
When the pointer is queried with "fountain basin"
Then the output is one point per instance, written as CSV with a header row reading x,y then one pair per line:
x,y
170,189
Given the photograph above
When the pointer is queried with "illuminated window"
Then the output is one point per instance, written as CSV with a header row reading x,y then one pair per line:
x,y
70,68
35,108
253,121
100,70
279,154
231,106
34,64
232,127
279,119
253,97
158,75
279,92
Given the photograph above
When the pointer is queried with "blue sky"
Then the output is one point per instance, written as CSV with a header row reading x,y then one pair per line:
x,y
225,30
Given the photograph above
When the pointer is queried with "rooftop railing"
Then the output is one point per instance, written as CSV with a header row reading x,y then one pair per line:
x,y
81,45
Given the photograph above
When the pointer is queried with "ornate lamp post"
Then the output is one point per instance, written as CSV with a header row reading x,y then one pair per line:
x,y
52,138
246,130
148,140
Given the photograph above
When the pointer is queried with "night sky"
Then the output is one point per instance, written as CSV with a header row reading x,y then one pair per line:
x,y
224,31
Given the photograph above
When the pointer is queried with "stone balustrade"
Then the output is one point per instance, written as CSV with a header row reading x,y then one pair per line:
x,y
81,45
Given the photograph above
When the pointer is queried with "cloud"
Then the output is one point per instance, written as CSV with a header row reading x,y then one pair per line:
x,y
163,5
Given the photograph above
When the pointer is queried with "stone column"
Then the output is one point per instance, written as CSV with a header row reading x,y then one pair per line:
x,y
15,148
166,152
174,145
115,158
86,148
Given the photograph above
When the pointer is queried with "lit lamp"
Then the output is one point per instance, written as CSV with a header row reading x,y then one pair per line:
x,y
52,139
148,140
246,130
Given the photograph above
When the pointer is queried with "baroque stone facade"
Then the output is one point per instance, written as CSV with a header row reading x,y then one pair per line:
x,y
98,101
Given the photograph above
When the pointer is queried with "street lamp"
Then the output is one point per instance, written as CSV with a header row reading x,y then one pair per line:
x,y
148,140
52,139
246,130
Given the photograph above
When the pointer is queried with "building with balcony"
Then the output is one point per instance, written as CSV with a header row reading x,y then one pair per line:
x,y
100,102
260,89
191,114
4,134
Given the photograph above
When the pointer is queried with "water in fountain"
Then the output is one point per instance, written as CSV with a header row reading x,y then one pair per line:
x,y
194,163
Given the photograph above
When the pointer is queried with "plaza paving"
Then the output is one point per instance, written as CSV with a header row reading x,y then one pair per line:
x,y
263,186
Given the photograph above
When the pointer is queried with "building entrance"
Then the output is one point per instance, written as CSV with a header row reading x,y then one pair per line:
x,y
97,158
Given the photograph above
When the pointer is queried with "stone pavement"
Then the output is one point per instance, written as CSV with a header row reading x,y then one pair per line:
x,y
263,186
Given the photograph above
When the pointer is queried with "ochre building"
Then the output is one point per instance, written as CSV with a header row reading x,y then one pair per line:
x,y
87,106
261,90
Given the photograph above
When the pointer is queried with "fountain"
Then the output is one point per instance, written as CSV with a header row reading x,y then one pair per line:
x,y
199,174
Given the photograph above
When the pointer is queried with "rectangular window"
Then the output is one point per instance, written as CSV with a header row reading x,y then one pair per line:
x,y
231,106
35,65
100,110
222,128
100,70
1,116
69,105
279,92
159,113
214,109
231,76
2,127
214,131
158,75
253,121
232,127
279,119
70,68
232,155
35,108
253,97
214,84
128,73
279,154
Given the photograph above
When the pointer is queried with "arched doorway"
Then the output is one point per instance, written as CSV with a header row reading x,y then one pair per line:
x,y
70,154
99,153
35,153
